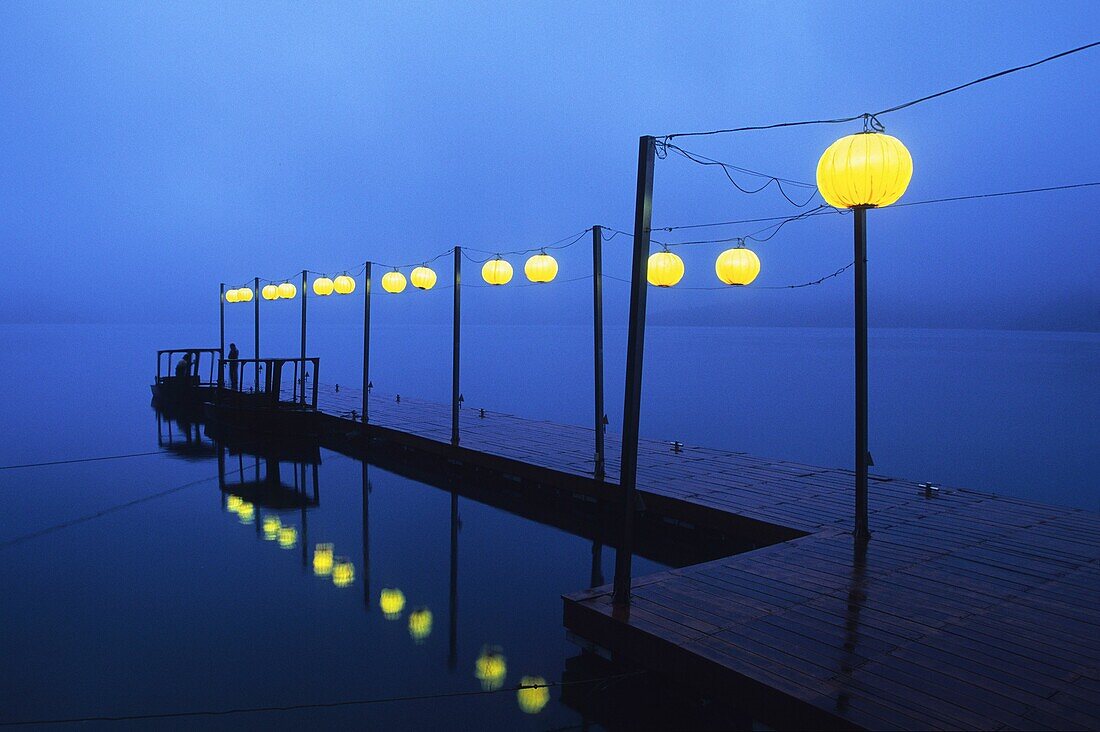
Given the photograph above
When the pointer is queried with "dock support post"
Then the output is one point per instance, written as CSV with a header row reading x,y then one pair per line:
x,y
302,368
597,338
256,326
366,343
635,349
456,331
862,531
221,334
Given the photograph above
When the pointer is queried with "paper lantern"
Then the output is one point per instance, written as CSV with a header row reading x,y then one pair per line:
x,y
231,296
244,294
541,268
737,266
490,669
533,694
420,624
868,169
322,286
665,269
270,292
392,602
343,572
423,278
288,291
497,271
393,282
344,285
322,560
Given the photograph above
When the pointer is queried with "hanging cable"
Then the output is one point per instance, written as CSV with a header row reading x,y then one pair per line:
x,y
81,460
663,147
872,118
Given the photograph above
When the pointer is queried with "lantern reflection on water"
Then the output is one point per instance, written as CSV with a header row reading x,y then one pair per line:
x,y
288,537
420,624
392,602
233,503
343,572
532,694
490,668
271,526
246,513
322,560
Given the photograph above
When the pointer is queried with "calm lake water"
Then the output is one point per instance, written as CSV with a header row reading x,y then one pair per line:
x,y
132,587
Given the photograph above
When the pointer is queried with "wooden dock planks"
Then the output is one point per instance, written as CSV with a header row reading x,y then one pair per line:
x,y
966,609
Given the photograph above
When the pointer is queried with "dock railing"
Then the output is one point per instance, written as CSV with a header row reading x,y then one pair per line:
x,y
272,386
166,370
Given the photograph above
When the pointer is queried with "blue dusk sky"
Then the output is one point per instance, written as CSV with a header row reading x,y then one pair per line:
x,y
151,150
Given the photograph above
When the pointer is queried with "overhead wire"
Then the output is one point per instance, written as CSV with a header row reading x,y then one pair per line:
x,y
727,167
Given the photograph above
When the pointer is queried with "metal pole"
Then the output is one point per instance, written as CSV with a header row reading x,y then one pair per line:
x,y
256,326
597,336
221,334
635,349
862,532
302,371
455,329
366,342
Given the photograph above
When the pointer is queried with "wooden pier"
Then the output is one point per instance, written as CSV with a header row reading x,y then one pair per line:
x,y
965,610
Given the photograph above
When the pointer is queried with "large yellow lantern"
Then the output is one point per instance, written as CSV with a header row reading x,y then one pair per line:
x,y
343,572
288,291
737,266
231,296
288,537
392,602
244,294
541,268
533,694
490,668
270,292
393,282
344,285
665,269
423,278
322,560
497,272
869,169
322,286
420,624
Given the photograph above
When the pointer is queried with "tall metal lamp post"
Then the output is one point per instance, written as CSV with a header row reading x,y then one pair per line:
x,y
858,172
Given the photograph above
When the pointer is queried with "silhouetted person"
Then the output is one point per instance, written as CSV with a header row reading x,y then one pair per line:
x,y
183,368
234,367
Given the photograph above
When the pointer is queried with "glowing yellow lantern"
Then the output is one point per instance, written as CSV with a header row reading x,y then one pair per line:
x,y
343,572
420,624
244,294
288,537
246,513
231,296
490,668
737,266
665,269
497,272
423,278
233,503
541,268
869,169
270,292
392,602
288,291
344,285
271,526
393,282
322,560
533,694
322,286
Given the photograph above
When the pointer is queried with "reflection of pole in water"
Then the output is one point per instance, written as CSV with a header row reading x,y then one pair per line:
x,y
366,537
596,578
452,656
221,474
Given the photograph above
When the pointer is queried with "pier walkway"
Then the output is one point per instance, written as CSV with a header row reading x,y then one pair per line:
x,y
965,610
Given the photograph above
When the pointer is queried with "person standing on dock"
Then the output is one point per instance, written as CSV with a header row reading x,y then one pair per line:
x,y
183,368
234,367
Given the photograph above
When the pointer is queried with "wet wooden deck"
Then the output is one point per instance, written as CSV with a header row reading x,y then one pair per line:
x,y
966,610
